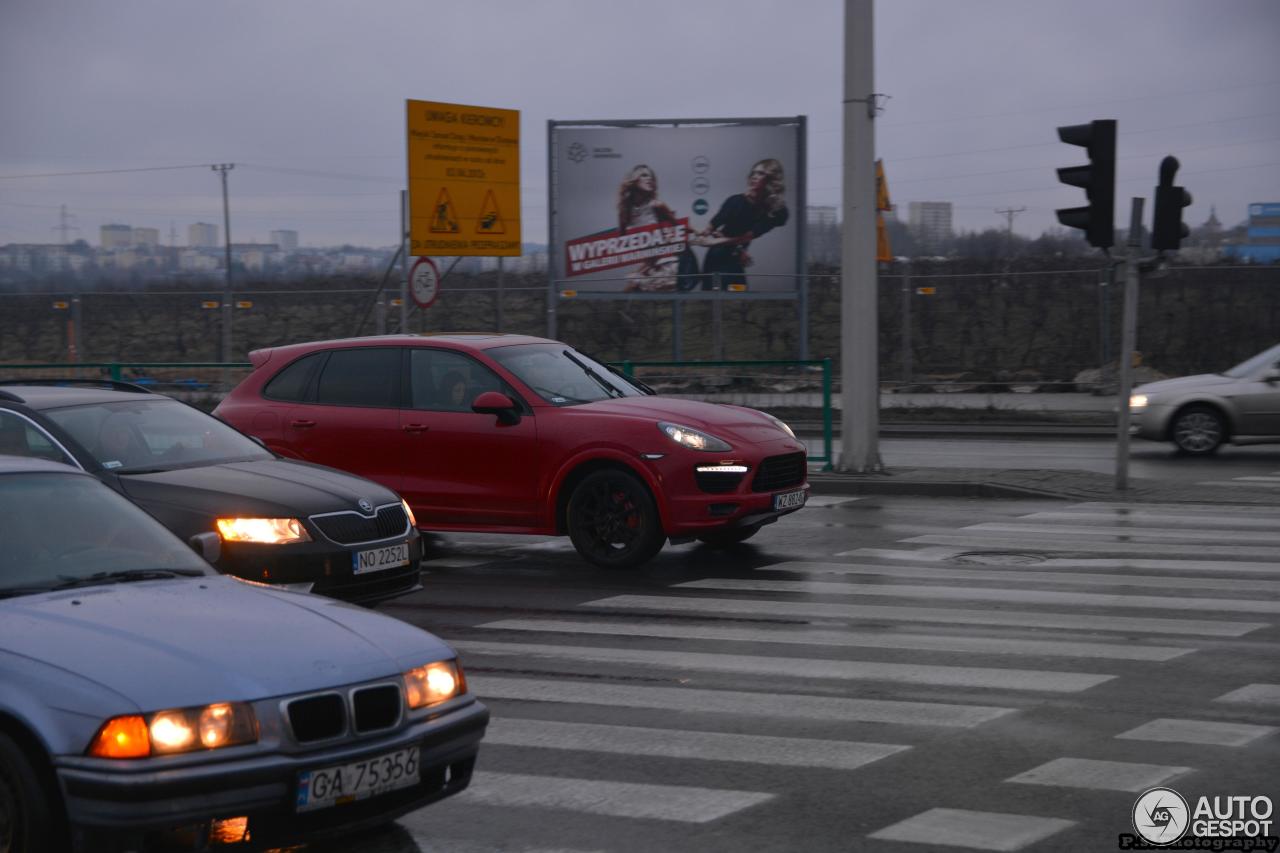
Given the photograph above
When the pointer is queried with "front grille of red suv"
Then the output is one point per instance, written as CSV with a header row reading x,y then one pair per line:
x,y
779,472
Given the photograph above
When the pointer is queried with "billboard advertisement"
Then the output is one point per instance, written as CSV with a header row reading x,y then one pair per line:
x,y
677,207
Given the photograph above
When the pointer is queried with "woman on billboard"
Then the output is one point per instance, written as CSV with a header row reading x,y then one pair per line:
x,y
742,218
638,204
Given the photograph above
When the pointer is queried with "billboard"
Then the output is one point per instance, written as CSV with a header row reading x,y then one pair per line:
x,y
677,206
464,179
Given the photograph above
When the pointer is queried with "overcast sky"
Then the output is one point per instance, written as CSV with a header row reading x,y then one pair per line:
x,y
306,97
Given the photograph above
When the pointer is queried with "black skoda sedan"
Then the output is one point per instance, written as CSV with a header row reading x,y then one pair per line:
x,y
281,521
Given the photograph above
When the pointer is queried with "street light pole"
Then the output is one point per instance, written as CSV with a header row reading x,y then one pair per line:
x,y
225,350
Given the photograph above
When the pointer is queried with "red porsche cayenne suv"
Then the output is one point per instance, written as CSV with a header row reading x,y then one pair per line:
x,y
516,434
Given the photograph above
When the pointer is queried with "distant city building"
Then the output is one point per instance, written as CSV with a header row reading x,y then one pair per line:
x,y
1262,239
286,240
146,236
202,235
822,230
931,222
116,236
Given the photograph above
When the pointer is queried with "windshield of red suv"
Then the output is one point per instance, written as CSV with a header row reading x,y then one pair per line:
x,y
562,376
148,435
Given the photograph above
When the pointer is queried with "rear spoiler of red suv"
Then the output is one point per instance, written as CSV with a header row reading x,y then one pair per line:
x,y
260,357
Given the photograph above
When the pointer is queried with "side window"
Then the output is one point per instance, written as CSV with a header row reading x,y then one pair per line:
x,y
20,437
444,381
361,377
292,383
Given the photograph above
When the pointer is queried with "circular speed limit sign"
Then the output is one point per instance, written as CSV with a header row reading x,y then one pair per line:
x,y
424,282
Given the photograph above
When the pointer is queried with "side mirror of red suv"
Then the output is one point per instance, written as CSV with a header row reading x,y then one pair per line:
x,y
494,403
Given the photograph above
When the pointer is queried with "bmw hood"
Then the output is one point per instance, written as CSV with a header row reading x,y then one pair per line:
x,y
1185,384
732,423
193,641
261,487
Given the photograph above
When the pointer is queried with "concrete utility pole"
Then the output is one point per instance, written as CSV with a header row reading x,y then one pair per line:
x,y
224,354
859,357
1009,213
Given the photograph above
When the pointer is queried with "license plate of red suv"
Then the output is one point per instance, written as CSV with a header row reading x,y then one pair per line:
x,y
789,500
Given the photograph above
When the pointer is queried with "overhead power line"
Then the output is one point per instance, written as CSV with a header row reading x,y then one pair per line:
x,y
100,172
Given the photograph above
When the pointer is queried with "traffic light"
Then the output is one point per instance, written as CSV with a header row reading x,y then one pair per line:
x,y
1098,179
1168,230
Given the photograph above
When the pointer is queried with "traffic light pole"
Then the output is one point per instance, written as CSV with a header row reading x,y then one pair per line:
x,y
1128,342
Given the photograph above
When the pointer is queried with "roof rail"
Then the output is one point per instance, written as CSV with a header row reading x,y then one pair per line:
x,y
108,384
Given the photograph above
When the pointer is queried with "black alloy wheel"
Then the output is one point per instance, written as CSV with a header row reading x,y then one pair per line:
x,y
729,536
1198,430
613,521
26,824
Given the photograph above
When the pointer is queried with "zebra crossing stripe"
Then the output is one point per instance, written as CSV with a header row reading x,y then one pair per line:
x,y
1099,775
973,830
903,673
1202,566
1020,575
1205,732
1173,550
736,702
1212,510
614,799
826,610
1139,518
1014,596
671,743
1253,694
854,639
1160,535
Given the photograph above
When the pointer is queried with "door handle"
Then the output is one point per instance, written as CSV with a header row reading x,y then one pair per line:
x,y
302,424
415,427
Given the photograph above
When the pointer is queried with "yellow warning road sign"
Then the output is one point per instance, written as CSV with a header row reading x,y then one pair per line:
x,y
464,179
490,220
444,217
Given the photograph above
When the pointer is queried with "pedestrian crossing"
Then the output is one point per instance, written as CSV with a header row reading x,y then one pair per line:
x,y
1263,481
1039,642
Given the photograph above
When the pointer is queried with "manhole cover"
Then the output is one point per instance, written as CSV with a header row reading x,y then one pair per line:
x,y
997,558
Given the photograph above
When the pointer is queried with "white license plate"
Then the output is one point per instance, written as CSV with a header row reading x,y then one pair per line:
x,y
789,500
377,559
347,783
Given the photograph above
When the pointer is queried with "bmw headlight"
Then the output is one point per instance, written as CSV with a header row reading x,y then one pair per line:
x,y
693,439
1138,401
434,683
268,531
176,730
779,424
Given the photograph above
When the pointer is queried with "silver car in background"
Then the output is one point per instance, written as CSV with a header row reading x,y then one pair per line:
x,y
1199,413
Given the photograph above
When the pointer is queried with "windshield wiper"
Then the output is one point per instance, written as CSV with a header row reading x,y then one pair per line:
x,y
13,591
126,576
608,387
